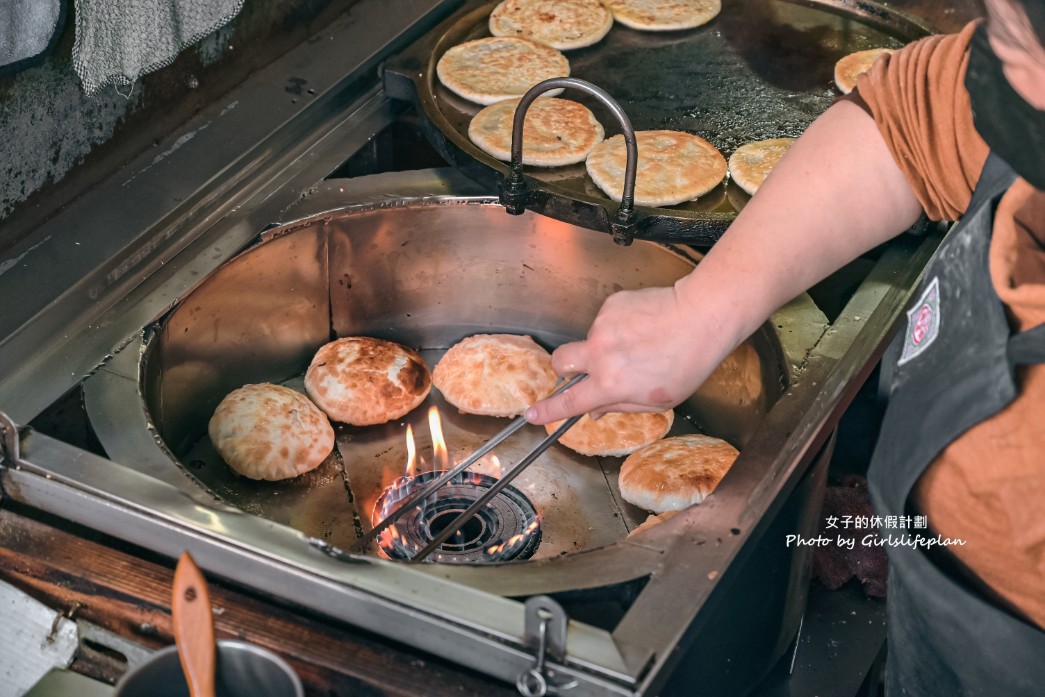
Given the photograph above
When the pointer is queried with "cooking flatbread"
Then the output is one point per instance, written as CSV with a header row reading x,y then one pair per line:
x,y
495,374
615,434
675,473
561,24
653,521
750,164
850,67
493,69
556,131
673,167
664,15
270,432
362,381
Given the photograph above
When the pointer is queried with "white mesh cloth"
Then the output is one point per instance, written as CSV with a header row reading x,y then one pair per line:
x,y
118,41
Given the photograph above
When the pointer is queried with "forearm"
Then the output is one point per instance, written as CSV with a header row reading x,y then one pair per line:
x,y
836,195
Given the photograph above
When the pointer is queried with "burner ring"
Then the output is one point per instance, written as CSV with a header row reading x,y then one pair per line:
x,y
504,529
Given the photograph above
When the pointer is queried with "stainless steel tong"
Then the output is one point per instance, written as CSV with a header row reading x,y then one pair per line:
x,y
418,496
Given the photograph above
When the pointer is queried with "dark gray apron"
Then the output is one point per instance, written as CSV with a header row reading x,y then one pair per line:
x,y
955,368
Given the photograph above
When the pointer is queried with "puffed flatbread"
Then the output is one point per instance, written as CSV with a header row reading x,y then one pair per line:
x,y
561,24
850,67
270,432
673,167
676,472
496,68
556,132
495,374
363,381
653,520
615,434
664,15
751,163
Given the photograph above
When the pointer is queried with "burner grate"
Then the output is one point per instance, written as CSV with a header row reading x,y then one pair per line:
x,y
507,528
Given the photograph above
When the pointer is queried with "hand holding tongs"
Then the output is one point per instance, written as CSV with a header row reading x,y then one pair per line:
x,y
419,496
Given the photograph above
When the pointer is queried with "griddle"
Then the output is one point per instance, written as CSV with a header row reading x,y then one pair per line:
x,y
761,69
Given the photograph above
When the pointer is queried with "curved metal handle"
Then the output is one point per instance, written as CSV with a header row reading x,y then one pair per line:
x,y
514,194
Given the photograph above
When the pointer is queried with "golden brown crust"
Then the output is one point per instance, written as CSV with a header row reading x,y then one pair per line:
x,y
653,520
751,163
615,434
664,15
850,67
675,473
270,432
363,381
556,132
496,68
561,24
495,374
673,167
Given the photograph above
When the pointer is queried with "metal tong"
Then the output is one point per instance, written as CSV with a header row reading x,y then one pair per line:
x,y
418,496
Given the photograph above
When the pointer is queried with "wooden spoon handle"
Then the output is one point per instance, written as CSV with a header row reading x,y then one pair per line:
x,y
193,627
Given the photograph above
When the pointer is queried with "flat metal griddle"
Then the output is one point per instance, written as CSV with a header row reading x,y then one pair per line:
x,y
761,69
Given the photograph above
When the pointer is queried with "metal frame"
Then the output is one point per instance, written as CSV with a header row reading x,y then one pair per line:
x,y
61,331
439,610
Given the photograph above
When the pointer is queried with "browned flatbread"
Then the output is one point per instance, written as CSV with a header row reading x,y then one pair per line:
x,y
556,131
561,24
362,381
850,67
675,473
751,163
653,521
615,434
495,374
270,432
664,15
496,68
673,167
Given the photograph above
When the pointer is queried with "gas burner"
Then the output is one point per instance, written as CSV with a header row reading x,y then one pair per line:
x,y
507,528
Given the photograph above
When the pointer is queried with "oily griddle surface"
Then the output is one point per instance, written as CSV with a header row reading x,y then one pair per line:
x,y
761,69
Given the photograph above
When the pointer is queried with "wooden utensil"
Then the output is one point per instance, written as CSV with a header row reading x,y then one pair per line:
x,y
193,627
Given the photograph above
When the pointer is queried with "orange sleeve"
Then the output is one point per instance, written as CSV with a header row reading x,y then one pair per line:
x,y
917,97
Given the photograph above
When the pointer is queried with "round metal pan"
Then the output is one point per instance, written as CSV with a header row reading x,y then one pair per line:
x,y
761,69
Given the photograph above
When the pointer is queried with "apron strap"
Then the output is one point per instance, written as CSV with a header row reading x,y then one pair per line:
x,y
1027,347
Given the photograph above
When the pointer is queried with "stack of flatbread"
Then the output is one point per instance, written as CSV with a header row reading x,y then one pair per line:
x,y
664,15
673,167
615,434
271,432
493,69
850,67
556,131
751,163
495,374
561,24
363,381
675,473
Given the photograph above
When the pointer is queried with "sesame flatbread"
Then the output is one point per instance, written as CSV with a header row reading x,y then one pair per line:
x,y
751,163
270,432
363,381
653,520
664,15
493,69
615,434
495,374
556,131
675,473
673,167
561,24
850,67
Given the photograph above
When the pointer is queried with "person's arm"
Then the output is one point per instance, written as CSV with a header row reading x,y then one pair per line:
x,y
837,194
